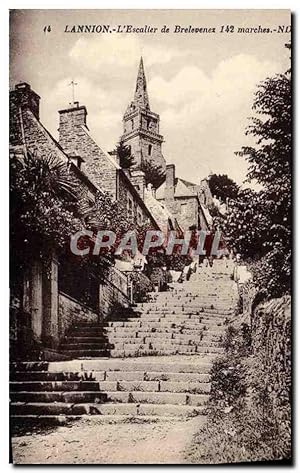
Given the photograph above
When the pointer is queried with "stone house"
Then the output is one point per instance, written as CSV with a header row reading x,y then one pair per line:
x,y
186,201
102,168
48,299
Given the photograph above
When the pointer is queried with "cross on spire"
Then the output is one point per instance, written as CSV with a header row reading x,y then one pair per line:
x,y
73,84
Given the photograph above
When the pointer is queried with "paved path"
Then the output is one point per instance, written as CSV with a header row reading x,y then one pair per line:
x,y
88,442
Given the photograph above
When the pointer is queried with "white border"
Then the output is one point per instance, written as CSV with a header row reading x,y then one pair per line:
x,y
114,4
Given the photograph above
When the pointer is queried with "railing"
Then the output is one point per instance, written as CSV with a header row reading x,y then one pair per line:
x,y
118,280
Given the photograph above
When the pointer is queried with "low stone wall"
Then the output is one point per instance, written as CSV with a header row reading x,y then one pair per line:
x,y
271,343
270,325
71,311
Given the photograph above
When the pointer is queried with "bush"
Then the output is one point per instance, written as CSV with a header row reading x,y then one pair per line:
x,y
141,286
243,435
249,416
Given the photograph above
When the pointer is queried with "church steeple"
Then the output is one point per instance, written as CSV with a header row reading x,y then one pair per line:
x,y
141,127
141,98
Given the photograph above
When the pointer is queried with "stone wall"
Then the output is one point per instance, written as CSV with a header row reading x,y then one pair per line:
x,y
127,196
71,311
270,324
185,210
271,343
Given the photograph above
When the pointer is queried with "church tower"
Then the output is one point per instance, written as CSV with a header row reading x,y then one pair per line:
x,y
141,127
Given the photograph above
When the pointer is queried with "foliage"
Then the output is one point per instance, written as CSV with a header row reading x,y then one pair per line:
x,y
123,152
223,187
258,223
141,285
243,435
43,206
249,410
47,207
228,374
105,214
154,173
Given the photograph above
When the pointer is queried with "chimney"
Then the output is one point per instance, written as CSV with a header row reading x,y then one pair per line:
x,y
137,178
22,96
70,132
152,190
170,182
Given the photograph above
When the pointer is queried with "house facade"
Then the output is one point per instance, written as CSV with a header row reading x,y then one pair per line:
x,y
187,202
48,297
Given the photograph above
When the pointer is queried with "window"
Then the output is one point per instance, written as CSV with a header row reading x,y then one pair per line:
x,y
149,150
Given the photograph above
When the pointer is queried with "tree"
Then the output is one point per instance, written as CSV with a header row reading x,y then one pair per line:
x,y
258,224
44,205
123,152
154,174
223,187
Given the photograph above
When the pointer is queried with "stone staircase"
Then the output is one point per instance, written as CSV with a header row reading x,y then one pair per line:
x,y
189,319
159,365
86,341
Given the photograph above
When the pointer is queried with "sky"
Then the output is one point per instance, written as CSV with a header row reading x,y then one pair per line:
x,y
201,84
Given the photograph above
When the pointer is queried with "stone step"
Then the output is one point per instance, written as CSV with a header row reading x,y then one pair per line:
x,y
86,353
161,343
189,309
124,332
188,298
192,302
197,365
132,351
86,332
54,396
87,339
63,403
155,376
54,386
151,338
145,325
22,411
137,397
85,346
50,376
29,366
170,342
178,317
111,376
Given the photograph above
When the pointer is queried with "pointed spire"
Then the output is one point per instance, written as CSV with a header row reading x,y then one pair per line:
x,y
141,95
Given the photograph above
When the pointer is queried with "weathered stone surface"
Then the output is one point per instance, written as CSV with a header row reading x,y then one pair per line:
x,y
184,387
169,410
125,375
158,397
